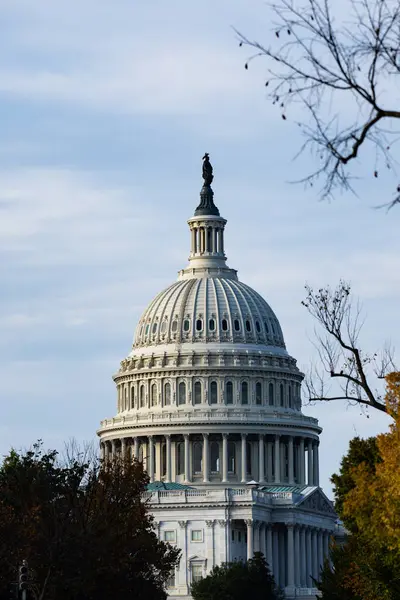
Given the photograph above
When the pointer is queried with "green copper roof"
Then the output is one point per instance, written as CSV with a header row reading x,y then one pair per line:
x,y
160,485
273,489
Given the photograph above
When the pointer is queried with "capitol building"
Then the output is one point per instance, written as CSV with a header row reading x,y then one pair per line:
x,y
209,399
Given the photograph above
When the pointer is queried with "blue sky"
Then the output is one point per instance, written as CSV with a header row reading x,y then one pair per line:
x,y
106,110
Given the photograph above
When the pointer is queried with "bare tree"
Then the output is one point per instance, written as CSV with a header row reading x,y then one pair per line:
x,y
340,354
344,74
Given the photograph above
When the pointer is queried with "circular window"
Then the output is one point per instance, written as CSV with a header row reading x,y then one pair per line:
x,y
154,329
174,326
163,327
186,325
236,324
211,325
224,325
248,325
199,325
258,327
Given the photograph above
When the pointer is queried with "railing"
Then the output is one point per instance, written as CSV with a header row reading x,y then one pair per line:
x,y
234,496
194,415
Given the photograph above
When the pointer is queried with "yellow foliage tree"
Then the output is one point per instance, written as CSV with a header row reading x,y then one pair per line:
x,y
374,502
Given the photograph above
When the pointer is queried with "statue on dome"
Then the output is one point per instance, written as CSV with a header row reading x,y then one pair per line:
x,y
207,170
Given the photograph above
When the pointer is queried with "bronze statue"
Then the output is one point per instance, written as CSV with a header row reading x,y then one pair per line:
x,y
207,170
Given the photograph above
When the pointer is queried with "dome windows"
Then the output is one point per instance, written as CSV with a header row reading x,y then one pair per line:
x,y
248,325
182,393
213,393
154,328
163,328
258,393
167,394
245,392
147,329
266,327
186,325
154,395
258,327
224,325
199,324
174,327
197,392
229,392
271,394
236,324
211,325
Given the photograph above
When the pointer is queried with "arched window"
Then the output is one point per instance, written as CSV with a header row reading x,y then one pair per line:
x,y
231,456
248,325
182,393
229,392
213,393
174,326
224,325
147,329
197,457
199,325
271,394
186,325
248,458
266,327
167,394
197,392
236,324
153,394
154,328
258,393
290,395
273,328
180,458
214,456
132,397
163,327
142,396
258,326
281,395
211,325
245,392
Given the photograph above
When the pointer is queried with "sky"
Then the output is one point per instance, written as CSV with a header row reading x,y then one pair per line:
x,y
106,110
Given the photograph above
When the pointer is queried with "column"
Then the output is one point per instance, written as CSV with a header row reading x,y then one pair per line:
x,y
210,546
261,454
301,463
277,459
123,448
314,552
256,536
291,469
102,451
224,458
269,461
150,451
168,458
303,557
290,554
113,449
320,550
297,556
206,461
187,461
276,561
183,545
309,571
310,480
106,451
269,548
136,448
193,241
262,547
250,547
315,463
326,544
244,458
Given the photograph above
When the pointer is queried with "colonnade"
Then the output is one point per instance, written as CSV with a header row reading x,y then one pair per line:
x,y
241,457
207,239
295,552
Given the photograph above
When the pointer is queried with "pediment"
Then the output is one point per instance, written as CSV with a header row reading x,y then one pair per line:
x,y
317,501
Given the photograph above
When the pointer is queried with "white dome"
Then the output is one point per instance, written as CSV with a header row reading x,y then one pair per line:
x,y
208,309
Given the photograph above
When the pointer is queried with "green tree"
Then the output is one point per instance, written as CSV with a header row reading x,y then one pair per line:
x,y
238,581
83,528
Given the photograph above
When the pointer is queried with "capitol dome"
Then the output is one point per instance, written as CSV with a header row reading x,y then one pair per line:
x,y
208,399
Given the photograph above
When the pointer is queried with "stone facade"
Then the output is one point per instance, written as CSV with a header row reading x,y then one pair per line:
x,y
209,400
